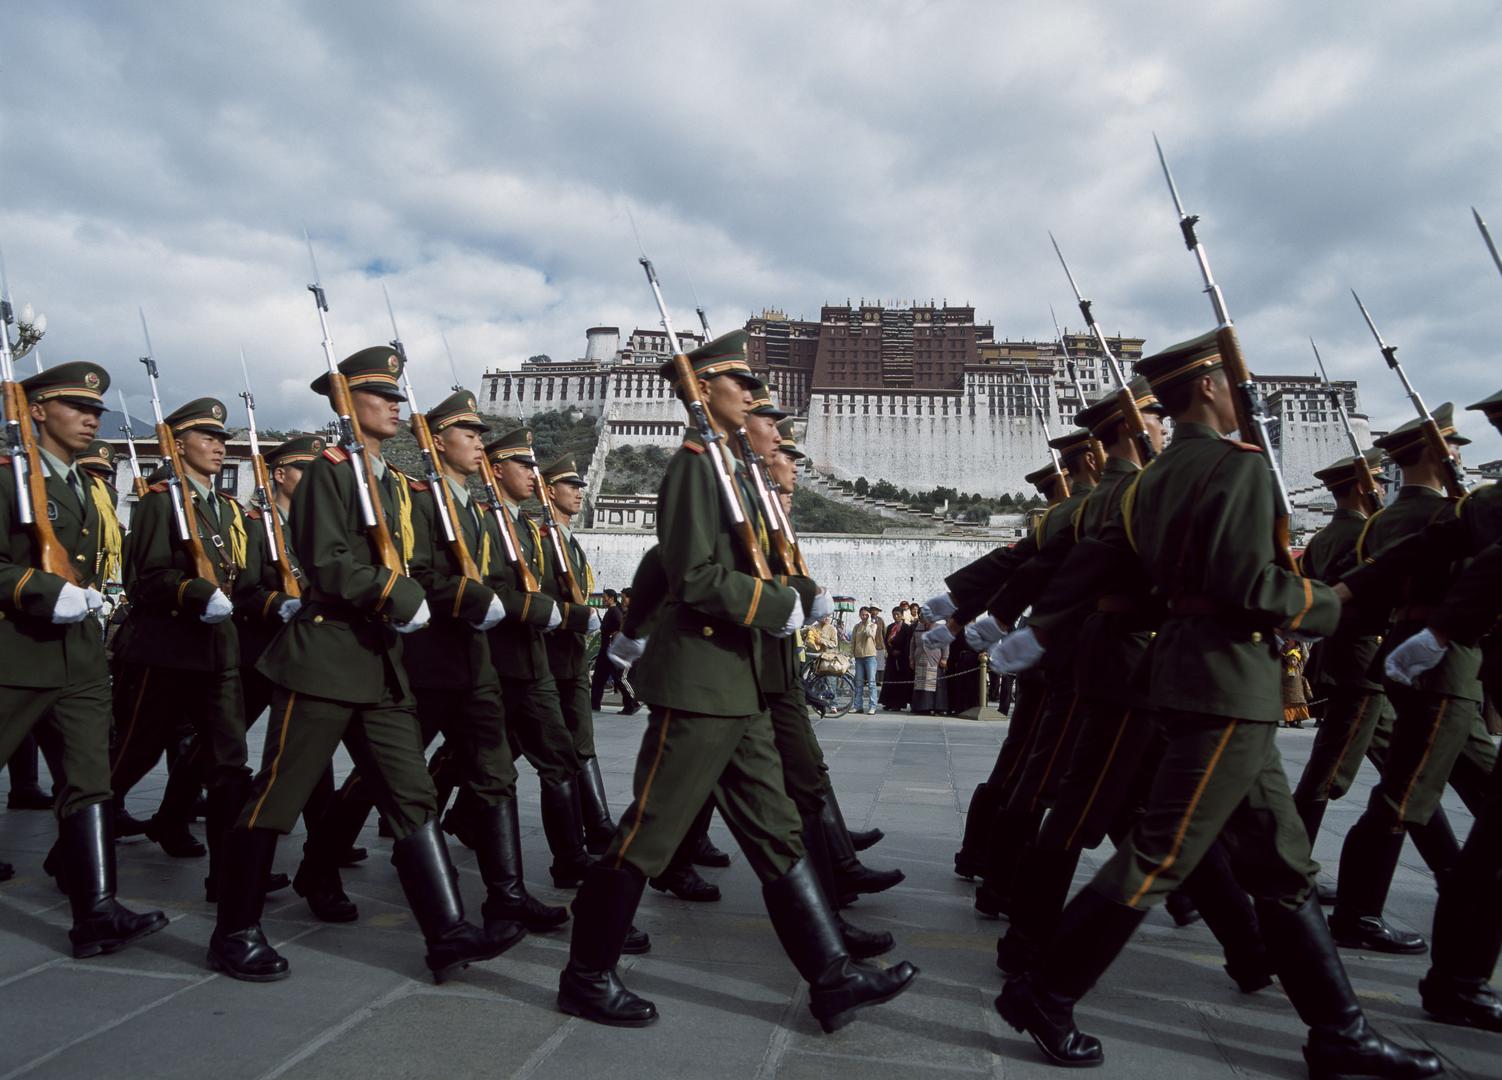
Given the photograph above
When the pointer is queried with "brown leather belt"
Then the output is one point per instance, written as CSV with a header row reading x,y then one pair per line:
x,y
1118,603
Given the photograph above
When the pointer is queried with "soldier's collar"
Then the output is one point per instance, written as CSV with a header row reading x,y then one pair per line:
x,y
1187,429
1345,513
377,465
1408,492
204,492
1118,465
55,465
459,491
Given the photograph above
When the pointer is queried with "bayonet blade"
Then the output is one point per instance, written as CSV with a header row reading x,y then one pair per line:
x,y
1486,234
453,370
250,398
125,412
1389,353
150,358
1320,361
1067,273
1173,189
391,313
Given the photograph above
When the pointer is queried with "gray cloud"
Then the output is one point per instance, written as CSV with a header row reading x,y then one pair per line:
x,y
478,160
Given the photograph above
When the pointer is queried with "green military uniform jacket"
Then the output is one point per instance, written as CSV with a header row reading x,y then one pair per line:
x,y
517,648
1475,600
34,652
341,644
649,588
1413,583
566,644
1200,517
1344,659
258,591
162,627
704,655
450,654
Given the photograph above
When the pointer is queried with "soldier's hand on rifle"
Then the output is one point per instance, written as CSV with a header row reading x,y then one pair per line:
x,y
419,619
217,609
625,651
94,599
555,619
983,633
1414,657
288,608
1016,652
72,605
939,636
493,615
823,605
939,608
594,622
794,621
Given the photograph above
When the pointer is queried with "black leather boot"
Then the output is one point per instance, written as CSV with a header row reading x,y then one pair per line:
x,y
593,809
1035,913
1341,1043
806,926
970,860
861,944
237,947
1010,833
221,810
174,838
560,823
1467,937
101,924
125,823
589,987
318,882
1368,860
499,854
459,822
1228,912
431,884
852,879
860,839
685,883
1181,908
1092,932
1311,813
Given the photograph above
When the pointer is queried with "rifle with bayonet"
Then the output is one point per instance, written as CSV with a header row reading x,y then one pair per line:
x,y
1486,235
262,497
1251,415
1454,477
569,580
443,505
709,431
1366,481
1096,446
1058,464
138,481
25,457
1128,400
351,439
183,514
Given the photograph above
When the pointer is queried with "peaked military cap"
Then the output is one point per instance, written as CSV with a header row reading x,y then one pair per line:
x,y
78,383
1105,411
725,355
376,369
203,414
761,405
788,445
1402,439
514,445
98,458
1043,478
456,410
1183,362
1344,471
1490,406
563,471
1071,443
298,450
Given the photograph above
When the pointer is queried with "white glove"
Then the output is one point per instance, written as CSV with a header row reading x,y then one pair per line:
x,y
72,605
938,636
983,633
594,621
823,605
554,618
1016,652
1414,657
795,619
94,599
417,622
625,651
288,608
219,608
939,608
494,614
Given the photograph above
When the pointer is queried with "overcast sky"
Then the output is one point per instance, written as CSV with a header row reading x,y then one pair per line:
x,y
478,159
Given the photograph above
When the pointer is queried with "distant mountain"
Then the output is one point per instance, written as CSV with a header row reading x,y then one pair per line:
x,y
111,422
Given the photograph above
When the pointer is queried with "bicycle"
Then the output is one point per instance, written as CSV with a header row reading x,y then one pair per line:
x,y
830,694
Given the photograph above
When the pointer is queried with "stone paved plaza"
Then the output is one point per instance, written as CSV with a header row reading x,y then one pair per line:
x,y
359,1003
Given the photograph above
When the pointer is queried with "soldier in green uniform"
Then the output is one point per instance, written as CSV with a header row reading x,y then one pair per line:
x,y
338,672
566,647
534,713
99,460
178,651
1200,520
709,732
1435,717
52,667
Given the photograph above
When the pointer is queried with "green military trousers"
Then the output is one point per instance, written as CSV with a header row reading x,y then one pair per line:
x,y
1428,738
79,719
301,737
1049,749
538,732
1027,706
1218,777
1340,743
578,716
685,758
1103,774
804,773
151,701
473,723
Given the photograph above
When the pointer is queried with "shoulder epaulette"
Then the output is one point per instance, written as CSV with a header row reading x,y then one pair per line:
x,y
418,485
253,514
337,454
1252,448
160,485
4,459
695,447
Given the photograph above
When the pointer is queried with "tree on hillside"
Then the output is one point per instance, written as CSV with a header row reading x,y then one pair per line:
x,y
861,487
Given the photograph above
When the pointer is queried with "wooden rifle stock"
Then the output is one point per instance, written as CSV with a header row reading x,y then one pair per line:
x,y
203,566
1135,424
1366,483
51,556
509,540
138,485
782,547
1435,440
381,544
443,499
1242,398
286,576
566,576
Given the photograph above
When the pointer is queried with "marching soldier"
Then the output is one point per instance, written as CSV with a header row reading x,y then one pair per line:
x,y
99,461
178,651
1200,521
338,676
52,666
566,652
709,732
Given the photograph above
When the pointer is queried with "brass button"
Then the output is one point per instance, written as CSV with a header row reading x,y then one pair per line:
x,y
708,631
86,532
80,558
1256,637
2,616
174,613
318,618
